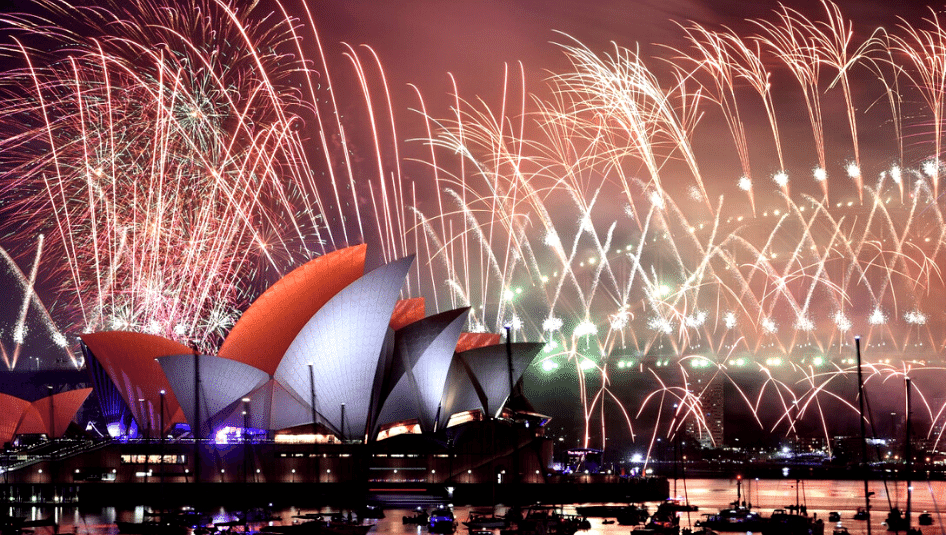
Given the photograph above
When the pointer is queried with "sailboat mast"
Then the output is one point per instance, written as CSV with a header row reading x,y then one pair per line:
x,y
908,453
676,444
860,401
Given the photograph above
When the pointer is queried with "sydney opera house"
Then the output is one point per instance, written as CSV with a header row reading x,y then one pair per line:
x,y
328,345
328,377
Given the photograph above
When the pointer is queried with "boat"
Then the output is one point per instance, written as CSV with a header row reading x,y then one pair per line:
x,y
442,521
737,518
896,521
420,518
607,521
548,520
793,519
784,523
664,521
834,516
607,511
676,505
925,519
863,513
631,516
485,520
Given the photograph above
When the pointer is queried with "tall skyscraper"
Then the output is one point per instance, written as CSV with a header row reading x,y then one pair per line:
x,y
709,429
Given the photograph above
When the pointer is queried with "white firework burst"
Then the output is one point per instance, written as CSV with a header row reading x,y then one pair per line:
x,y
657,200
661,325
696,320
896,174
585,328
804,323
842,321
20,332
853,171
620,320
930,167
60,339
915,317
552,324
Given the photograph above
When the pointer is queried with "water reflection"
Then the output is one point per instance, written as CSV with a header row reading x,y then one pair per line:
x,y
820,498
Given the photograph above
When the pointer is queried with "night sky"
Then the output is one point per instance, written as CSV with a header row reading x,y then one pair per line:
x,y
418,42
422,43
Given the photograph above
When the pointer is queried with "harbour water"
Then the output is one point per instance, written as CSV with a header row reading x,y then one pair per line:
x,y
819,496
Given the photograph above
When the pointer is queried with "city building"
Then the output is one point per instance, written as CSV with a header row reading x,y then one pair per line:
x,y
707,427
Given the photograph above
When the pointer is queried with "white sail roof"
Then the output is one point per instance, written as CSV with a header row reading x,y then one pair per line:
x,y
343,342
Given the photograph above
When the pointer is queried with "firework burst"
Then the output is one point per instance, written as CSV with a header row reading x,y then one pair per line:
x,y
177,164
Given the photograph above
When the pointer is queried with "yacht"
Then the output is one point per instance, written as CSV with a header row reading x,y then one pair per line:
x,y
442,521
736,518
485,520
784,523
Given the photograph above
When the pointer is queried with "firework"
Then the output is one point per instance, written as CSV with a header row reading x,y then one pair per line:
x,y
161,154
174,181
685,268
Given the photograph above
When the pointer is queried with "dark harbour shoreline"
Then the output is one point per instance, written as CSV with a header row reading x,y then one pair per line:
x,y
303,493
574,489
710,495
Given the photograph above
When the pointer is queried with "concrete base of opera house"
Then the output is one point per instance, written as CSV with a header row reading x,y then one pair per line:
x,y
476,460
343,495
